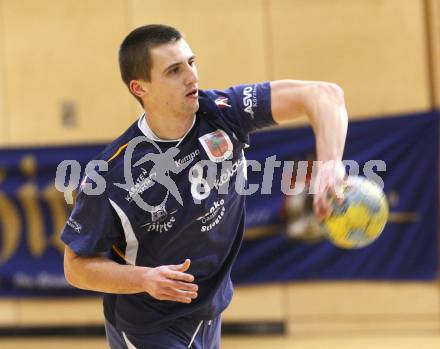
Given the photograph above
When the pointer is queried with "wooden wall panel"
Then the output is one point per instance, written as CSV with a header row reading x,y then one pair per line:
x,y
376,50
434,28
257,303
64,52
305,307
67,52
332,307
367,298
3,119
74,311
8,314
226,36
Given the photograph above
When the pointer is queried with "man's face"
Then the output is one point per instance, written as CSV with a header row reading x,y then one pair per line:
x,y
172,89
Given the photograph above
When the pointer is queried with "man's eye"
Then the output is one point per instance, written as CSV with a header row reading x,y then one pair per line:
x,y
174,70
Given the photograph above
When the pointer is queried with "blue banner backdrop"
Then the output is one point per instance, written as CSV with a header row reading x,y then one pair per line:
x,y
33,212
408,247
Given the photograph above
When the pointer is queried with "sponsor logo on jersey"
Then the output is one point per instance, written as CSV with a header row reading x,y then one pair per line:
x,y
226,174
222,102
74,225
145,180
217,145
250,100
161,220
163,164
213,217
188,158
142,183
159,215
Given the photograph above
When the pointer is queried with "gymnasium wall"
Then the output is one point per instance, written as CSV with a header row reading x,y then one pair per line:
x,y
59,79
433,17
59,84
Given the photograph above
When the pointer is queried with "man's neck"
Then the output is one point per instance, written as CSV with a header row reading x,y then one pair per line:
x,y
169,128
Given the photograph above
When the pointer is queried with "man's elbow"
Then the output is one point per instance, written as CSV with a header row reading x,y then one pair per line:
x,y
294,98
331,90
325,102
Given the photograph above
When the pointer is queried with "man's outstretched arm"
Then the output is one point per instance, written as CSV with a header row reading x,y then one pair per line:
x,y
324,105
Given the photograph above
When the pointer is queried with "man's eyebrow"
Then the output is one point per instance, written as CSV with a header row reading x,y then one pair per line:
x,y
178,63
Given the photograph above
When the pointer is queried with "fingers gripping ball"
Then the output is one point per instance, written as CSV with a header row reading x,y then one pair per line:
x,y
361,217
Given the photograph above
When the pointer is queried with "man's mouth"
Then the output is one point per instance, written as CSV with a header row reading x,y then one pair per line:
x,y
194,93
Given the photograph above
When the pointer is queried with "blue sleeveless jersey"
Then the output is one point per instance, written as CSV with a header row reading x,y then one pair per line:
x,y
207,224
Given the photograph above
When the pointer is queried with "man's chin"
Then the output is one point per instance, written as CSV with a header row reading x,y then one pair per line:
x,y
190,108
197,107
194,107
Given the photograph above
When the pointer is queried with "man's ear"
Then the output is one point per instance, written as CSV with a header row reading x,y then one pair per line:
x,y
138,88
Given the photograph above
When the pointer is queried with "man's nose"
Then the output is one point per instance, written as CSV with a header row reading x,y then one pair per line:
x,y
191,76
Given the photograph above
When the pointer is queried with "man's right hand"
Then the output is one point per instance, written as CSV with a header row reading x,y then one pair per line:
x,y
98,273
171,283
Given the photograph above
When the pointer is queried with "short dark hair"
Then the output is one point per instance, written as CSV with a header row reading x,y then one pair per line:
x,y
134,52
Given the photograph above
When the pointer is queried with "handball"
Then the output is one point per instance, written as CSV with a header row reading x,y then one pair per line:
x,y
360,218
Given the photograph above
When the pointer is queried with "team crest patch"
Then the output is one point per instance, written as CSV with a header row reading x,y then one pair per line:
x,y
217,145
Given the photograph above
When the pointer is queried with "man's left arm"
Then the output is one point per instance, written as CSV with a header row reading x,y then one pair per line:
x,y
323,103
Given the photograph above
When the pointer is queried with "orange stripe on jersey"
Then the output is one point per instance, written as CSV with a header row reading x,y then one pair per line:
x,y
121,148
118,251
115,247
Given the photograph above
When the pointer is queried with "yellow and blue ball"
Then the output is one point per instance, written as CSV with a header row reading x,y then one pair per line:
x,y
361,217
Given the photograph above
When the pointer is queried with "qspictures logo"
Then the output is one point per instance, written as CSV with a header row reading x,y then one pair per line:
x,y
203,176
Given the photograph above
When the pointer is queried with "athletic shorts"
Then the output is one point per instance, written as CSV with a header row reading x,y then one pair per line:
x,y
183,333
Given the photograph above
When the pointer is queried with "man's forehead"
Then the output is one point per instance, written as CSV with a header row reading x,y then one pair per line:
x,y
166,54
